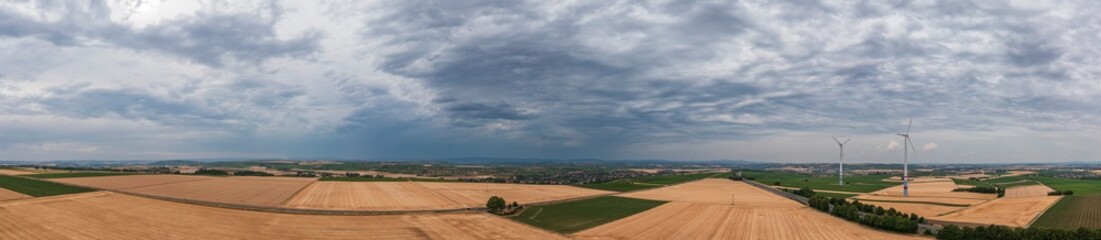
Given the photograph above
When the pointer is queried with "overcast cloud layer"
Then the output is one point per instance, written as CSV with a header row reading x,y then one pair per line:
x,y
985,81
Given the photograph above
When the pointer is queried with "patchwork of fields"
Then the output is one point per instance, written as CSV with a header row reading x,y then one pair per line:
x,y
386,196
1013,212
103,215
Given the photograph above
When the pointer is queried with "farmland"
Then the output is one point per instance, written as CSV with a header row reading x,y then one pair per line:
x,y
1014,212
77,174
1080,187
579,215
928,197
1028,191
703,209
1072,212
634,184
10,171
129,181
861,183
257,191
37,188
6,194
81,216
387,196
382,179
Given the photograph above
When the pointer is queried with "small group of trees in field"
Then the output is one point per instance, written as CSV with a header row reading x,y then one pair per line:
x,y
251,173
212,172
497,205
740,178
867,214
805,192
1063,193
995,232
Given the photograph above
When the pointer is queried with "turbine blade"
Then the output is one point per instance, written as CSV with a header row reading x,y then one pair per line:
x,y
847,140
909,124
911,145
835,140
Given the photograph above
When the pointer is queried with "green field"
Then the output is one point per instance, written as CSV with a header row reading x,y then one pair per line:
x,y
374,179
38,188
861,183
1072,212
569,217
632,184
1080,187
77,174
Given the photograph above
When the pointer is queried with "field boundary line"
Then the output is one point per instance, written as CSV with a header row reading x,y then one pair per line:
x,y
284,203
1037,217
170,183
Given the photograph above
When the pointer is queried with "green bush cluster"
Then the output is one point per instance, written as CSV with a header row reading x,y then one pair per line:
x,y
1058,193
995,232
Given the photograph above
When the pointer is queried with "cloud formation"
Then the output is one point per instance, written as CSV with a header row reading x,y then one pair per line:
x,y
607,79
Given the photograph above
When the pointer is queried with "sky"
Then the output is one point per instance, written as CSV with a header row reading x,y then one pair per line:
x,y
984,81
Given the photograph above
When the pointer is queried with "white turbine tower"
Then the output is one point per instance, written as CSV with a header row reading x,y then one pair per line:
x,y
841,164
907,146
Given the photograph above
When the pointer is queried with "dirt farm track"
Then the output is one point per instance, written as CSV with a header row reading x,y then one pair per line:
x,y
105,215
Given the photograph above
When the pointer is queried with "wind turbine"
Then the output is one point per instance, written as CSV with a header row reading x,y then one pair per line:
x,y
841,164
907,146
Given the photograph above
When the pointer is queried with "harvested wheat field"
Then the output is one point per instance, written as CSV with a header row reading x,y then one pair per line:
x,y
130,181
716,191
1013,212
702,210
257,191
476,194
103,215
1028,191
6,194
382,196
387,196
13,172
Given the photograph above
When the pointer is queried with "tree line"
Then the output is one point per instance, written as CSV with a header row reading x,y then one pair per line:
x,y
995,232
867,214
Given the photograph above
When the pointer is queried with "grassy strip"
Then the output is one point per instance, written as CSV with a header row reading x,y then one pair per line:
x,y
1072,212
632,184
38,188
374,179
570,217
834,195
917,202
861,183
77,174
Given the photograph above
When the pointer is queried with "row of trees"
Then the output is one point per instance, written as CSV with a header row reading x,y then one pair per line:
x,y
995,232
867,214
252,173
1058,193
980,189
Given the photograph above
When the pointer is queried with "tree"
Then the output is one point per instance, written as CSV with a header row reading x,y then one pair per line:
x,y
495,204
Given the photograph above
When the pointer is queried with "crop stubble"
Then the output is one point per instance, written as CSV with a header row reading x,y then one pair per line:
x,y
702,210
385,196
1008,211
104,215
